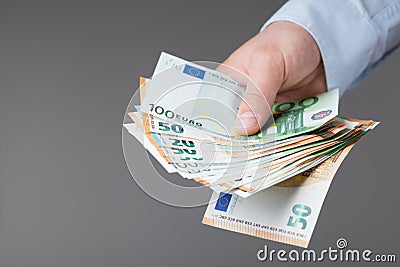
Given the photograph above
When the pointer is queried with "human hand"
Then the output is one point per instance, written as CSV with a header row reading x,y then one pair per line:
x,y
284,62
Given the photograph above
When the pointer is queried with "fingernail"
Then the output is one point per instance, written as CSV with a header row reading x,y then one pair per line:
x,y
246,120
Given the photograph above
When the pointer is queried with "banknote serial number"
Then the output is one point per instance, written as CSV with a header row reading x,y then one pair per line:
x,y
260,226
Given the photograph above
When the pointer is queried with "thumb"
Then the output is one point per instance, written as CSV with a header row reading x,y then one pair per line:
x,y
265,80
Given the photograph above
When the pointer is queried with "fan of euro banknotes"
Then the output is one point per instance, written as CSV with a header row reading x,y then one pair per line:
x,y
270,185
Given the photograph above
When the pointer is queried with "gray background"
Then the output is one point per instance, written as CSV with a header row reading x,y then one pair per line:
x,y
67,72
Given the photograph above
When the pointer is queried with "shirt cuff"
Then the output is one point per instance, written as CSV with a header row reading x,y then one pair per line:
x,y
344,35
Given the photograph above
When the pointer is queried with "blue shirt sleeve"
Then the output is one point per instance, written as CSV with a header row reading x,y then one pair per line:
x,y
353,35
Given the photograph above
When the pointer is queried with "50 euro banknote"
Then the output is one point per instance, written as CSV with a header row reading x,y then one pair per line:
x,y
286,212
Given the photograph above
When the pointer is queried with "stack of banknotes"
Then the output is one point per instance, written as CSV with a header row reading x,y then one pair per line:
x,y
270,185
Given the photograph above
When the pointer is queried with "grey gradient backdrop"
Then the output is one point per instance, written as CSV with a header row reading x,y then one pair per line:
x,y
67,72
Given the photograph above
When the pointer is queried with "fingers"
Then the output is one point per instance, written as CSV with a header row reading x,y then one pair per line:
x,y
313,84
283,57
266,73
234,69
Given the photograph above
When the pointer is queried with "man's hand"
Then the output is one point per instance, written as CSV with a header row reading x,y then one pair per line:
x,y
284,62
